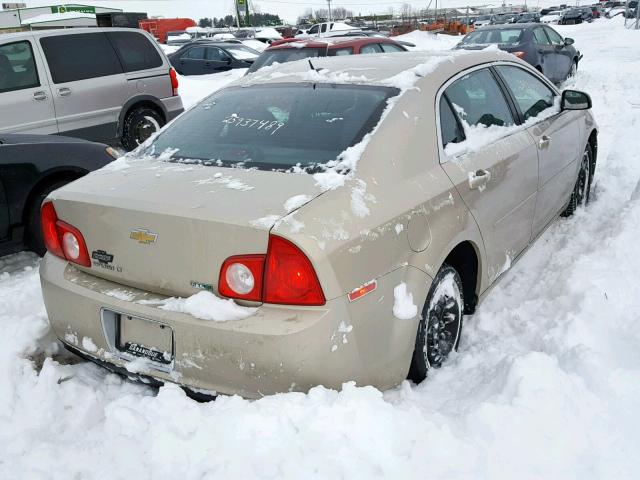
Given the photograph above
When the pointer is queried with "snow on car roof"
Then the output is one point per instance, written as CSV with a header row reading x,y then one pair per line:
x,y
382,69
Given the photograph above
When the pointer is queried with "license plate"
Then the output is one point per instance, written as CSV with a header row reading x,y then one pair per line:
x,y
144,338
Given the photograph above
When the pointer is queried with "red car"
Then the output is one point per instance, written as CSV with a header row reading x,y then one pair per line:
x,y
292,49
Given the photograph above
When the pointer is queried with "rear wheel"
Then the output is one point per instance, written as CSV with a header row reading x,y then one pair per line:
x,y
139,125
582,188
440,323
34,240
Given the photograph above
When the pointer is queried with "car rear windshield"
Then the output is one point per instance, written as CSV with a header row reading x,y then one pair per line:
x,y
283,55
273,127
503,36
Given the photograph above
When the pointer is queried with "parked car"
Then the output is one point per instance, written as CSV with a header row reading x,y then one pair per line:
x,y
98,84
179,38
365,273
31,167
204,57
548,10
483,21
502,18
576,16
530,17
551,18
326,29
296,49
539,45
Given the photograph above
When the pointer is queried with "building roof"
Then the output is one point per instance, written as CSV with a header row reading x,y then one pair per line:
x,y
57,17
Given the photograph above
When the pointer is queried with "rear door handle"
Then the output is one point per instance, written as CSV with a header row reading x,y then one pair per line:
x,y
64,92
544,142
479,179
40,96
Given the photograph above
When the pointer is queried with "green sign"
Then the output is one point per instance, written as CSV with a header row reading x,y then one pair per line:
x,y
71,8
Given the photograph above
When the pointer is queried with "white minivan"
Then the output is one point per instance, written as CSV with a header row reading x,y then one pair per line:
x,y
100,84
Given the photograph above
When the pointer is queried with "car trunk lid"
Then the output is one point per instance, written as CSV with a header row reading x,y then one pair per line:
x,y
167,228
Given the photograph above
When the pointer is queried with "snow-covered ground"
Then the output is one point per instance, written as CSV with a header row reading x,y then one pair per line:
x,y
546,383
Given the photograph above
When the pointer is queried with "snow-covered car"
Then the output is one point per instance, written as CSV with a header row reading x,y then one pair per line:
x,y
315,224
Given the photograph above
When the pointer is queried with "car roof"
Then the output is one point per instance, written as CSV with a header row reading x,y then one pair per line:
x,y
66,31
330,42
376,69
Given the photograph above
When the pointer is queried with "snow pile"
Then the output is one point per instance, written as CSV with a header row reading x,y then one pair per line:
x,y
207,306
428,41
545,384
403,306
194,88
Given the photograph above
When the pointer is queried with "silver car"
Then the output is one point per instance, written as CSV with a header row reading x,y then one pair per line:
x,y
315,224
97,84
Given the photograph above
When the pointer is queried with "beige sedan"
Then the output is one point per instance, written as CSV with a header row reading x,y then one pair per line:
x,y
315,223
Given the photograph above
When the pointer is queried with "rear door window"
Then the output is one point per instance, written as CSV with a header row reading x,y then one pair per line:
x,y
478,100
135,51
531,95
18,69
81,56
274,127
216,55
390,48
371,48
540,37
341,51
195,53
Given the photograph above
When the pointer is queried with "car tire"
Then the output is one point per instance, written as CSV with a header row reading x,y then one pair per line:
x,y
582,188
139,125
440,323
34,240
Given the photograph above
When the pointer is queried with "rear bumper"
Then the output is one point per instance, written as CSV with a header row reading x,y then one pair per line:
x,y
173,106
278,349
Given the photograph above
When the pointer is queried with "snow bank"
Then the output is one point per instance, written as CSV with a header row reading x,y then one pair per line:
x,y
207,306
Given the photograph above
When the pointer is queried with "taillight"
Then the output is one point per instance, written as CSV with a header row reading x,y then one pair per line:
x,y
519,54
174,81
61,239
284,276
241,277
289,277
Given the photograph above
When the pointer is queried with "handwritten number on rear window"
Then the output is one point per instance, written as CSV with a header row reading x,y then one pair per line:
x,y
268,126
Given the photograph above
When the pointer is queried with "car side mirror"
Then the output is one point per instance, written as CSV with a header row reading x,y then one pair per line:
x,y
568,41
575,100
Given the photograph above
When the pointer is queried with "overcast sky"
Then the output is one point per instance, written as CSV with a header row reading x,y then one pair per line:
x,y
287,9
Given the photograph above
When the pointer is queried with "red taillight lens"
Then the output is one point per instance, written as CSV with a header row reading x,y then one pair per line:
x,y
289,277
284,276
61,239
519,54
174,81
48,219
241,277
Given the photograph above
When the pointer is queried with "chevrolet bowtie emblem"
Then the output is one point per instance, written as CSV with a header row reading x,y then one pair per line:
x,y
143,236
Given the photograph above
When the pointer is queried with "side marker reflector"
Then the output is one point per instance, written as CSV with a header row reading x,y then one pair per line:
x,y
362,291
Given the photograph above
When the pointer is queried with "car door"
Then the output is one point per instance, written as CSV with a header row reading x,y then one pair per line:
x,y
24,90
556,136
564,54
216,60
192,61
89,86
493,164
546,54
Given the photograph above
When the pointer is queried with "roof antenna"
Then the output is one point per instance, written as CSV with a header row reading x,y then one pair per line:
x,y
311,65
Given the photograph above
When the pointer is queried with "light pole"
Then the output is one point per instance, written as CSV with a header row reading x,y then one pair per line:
x,y
329,4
